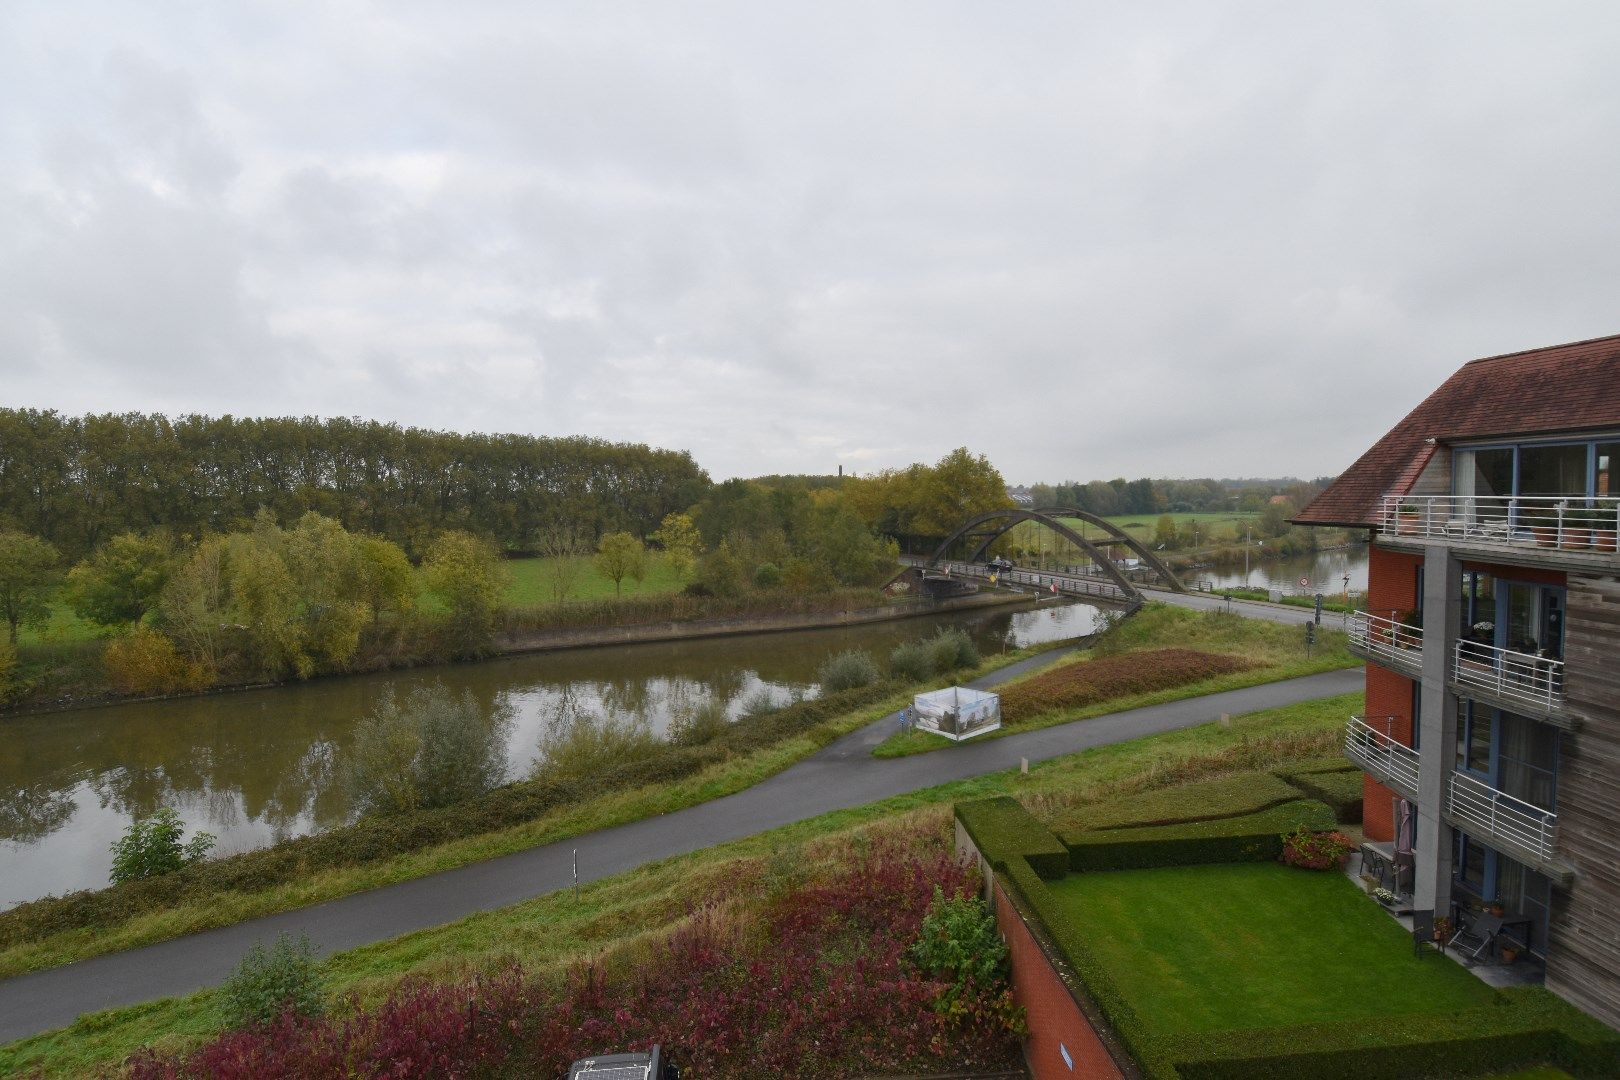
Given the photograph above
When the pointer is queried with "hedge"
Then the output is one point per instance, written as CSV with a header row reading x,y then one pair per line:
x,y
1527,1026
1340,786
377,838
1205,800
1086,682
1249,838
1005,832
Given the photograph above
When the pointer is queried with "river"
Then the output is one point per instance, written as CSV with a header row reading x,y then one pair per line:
x,y
258,766
1324,572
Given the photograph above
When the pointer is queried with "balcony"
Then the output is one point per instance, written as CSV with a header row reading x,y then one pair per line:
x,y
1389,762
1521,829
1587,530
1521,682
1388,642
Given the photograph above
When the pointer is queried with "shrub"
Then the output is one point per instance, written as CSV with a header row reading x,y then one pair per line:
x,y
11,685
1315,850
847,671
912,661
762,702
767,576
152,847
584,745
1088,682
1003,830
959,942
699,724
147,662
433,749
953,649
270,983
1340,786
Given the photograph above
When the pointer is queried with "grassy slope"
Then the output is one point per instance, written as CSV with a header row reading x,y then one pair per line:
x,y
1219,948
554,930
1280,648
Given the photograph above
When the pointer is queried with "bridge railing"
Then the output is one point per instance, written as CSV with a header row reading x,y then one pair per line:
x,y
1069,585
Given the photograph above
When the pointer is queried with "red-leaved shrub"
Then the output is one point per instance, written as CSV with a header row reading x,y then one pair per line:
x,y
1087,682
819,987
1316,851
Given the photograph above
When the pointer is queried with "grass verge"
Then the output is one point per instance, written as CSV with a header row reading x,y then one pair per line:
x,y
1279,649
553,931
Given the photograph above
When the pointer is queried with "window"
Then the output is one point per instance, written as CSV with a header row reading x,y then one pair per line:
x,y
1485,472
1474,739
1608,469
1528,760
1553,470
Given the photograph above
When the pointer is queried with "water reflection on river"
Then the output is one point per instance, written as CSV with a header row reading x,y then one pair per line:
x,y
1325,572
258,766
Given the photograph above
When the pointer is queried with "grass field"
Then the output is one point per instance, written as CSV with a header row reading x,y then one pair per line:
x,y
552,931
529,587
1243,946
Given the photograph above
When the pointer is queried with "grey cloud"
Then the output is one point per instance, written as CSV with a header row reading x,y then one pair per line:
x,y
1088,241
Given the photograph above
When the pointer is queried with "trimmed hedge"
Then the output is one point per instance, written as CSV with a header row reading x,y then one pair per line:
x,y
1339,786
1204,800
1529,1026
377,838
1005,832
1249,838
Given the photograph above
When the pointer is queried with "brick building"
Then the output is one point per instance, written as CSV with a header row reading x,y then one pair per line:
x,y
1491,738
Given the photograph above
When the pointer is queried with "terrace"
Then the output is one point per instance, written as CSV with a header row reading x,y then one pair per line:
x,y
1577,530
1390,642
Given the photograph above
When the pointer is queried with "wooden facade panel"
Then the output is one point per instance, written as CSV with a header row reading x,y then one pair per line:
x,y
1583,956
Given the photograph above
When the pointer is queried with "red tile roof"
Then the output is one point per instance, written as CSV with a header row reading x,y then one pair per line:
x,y
1563,388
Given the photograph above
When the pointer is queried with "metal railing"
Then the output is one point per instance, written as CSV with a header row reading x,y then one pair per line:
x,y
1522,678
1379,753
1386,639
1043,580
1569,522
1493,815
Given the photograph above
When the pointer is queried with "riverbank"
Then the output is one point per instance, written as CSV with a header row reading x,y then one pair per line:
x,y
518,637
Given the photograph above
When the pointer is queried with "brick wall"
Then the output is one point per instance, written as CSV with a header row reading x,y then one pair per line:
x,y
1057,1025
1388,694
1391,581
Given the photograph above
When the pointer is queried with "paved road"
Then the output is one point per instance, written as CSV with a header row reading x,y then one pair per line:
x,y
1278,613
842,775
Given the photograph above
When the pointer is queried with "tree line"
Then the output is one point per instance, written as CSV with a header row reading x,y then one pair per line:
x,y
76,481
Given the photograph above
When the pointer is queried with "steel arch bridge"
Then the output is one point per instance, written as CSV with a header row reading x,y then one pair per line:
x,y
988,528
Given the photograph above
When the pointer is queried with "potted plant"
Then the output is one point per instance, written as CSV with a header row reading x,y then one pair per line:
x,y
1442,930
1577,530
1543,526
1510,953
1600,524
1496,907
1407,515
1385,897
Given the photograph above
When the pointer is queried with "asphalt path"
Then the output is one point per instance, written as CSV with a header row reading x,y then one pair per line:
x,y
840,776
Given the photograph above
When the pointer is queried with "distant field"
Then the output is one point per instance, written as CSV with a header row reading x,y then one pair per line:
x,y
1225,526
530,588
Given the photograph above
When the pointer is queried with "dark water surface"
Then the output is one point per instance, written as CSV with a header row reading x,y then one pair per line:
x,y
258,766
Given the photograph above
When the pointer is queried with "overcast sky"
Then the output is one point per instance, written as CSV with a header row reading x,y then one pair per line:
x,y
1085,239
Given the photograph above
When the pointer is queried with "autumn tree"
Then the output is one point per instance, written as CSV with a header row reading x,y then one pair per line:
x,y
122,581
384,578
466,574
621,556
681,541
27,574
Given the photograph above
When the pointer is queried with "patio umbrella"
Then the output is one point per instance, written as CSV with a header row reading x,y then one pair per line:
x,y
1405,827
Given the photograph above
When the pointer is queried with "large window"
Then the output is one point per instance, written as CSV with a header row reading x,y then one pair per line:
x,y
1528,760
1485,472
1608,469
1553,470
1474,739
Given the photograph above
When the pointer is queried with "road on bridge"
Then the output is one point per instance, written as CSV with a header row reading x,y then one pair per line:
x,y
840,776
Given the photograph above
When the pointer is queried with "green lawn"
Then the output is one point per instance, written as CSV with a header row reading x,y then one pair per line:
x,y
531,584
1246,946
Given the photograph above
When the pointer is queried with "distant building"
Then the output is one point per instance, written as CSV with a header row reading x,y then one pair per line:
x,y
1021,495
1491,739
1279,500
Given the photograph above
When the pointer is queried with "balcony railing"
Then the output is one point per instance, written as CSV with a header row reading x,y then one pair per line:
x,y
1389,640
1568,522
1515,677
1501,820
1389,761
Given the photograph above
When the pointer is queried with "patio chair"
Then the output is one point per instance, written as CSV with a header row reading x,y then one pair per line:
x,y
1423,933
1478,935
